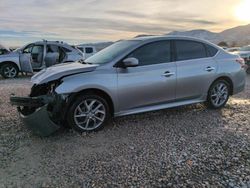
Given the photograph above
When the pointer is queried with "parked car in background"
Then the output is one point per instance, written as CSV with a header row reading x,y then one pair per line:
x,y
129,77
87,50
36,56
244,53
233,49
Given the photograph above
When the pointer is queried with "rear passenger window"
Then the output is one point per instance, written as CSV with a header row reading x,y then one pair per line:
x,y
153,53
212,51
52,48
187,50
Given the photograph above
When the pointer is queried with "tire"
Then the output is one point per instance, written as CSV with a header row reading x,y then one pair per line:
x,y
218,94
9,71
86,119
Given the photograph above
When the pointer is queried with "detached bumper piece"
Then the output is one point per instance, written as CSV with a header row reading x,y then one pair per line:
x,y
27,101
35,115
39,122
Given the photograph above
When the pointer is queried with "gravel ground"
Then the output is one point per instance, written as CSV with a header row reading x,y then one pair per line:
x,y
181,147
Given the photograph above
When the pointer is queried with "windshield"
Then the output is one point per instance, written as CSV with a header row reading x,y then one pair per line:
x,y
108,54
246,48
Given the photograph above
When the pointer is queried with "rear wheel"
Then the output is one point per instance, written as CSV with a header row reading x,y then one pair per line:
x,y
9,71
88,113
218,94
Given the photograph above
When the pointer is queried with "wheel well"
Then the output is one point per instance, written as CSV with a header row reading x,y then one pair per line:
x,y
8,62
228,80
97,92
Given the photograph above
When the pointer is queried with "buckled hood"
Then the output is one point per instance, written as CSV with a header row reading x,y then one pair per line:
x,y
61,70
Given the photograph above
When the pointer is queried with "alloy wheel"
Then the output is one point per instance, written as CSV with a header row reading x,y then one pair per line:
x,y
89,114
219,94
10,72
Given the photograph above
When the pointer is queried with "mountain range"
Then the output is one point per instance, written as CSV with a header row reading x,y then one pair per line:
x,y
236,36
98,45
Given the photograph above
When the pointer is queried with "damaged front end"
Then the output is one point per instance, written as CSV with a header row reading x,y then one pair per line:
x,y
42,111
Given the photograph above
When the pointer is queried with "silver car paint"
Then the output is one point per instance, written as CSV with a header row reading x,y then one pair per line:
x,y
144,88
58,71
11,57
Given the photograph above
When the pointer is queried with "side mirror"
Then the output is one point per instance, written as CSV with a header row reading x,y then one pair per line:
x,y
130,62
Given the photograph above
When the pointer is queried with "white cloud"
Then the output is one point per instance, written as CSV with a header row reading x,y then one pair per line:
x,y
94,20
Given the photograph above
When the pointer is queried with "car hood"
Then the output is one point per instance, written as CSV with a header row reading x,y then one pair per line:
x,y
10,54
61,70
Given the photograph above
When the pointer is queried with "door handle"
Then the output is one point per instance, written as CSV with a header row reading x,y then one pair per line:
x,y
168,74
209,69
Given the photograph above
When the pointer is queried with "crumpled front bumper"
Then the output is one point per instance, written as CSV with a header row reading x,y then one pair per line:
x,y
38,120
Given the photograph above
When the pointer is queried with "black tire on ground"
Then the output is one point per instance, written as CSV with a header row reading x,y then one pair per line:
x,y
74,110
211,98
9,70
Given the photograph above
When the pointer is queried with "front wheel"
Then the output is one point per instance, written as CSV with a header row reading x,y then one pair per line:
x,y
9,71
218,94
88,113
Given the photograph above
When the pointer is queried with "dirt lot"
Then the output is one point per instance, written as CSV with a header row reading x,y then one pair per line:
x,y
186,146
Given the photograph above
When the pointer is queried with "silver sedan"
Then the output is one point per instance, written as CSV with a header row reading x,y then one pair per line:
x,y
128,77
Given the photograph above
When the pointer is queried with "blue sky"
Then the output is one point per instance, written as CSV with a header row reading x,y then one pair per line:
x,y
78,21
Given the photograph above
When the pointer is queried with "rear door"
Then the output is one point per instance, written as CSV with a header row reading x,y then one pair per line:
x,y
152,83
195,69
52,56
37,56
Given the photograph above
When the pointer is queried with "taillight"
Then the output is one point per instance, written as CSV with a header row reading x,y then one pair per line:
x,y
241,61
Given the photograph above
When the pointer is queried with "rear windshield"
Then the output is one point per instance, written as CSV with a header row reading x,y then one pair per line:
x,y
110,53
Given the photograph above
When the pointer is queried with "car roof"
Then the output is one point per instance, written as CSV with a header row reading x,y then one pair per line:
x,y
169,37
58,43
50,42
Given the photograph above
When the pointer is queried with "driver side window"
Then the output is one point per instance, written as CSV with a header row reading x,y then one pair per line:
x,y
153,53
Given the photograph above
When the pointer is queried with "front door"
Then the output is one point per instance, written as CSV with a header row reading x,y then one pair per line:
x,y
25,62
152,82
